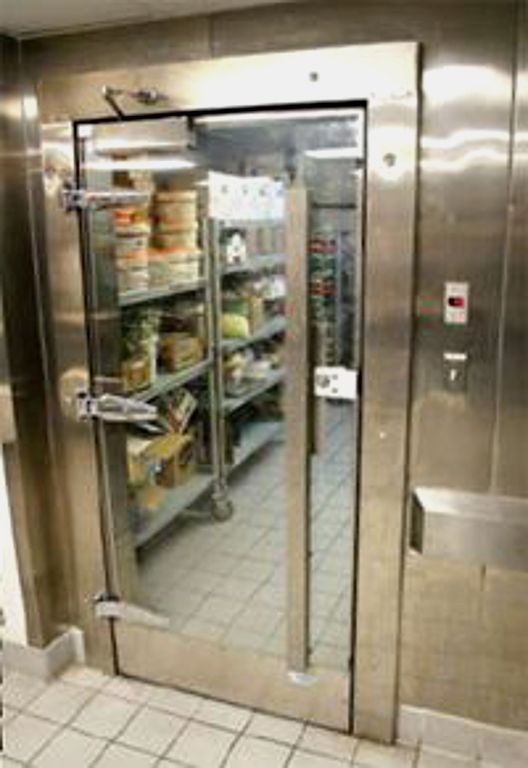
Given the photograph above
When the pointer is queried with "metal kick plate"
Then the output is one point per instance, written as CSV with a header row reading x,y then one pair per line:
x,y
336,382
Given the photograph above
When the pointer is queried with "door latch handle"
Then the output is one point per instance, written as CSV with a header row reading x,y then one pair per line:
x,y
114,408
107,607
79,199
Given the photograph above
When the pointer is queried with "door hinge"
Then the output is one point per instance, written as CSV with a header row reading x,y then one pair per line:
x,y
113,408
111,608
78,199
336,382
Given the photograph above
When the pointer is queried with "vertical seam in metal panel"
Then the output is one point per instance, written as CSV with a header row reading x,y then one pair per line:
x,y
410,388
509,215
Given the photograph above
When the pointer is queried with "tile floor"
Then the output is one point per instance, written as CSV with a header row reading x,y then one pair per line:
x,y
225,582
87,720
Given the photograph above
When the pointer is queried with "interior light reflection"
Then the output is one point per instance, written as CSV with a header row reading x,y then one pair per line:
x,y
141,164
465,161
334,153
456,81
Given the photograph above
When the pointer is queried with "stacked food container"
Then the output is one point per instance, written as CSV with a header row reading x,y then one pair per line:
x,y
132,236
175,257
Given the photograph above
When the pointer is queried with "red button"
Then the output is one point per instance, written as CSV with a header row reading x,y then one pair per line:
x,y
456,301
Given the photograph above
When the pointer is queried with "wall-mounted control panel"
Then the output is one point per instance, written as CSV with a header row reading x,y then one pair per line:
x,y
455,365
456,303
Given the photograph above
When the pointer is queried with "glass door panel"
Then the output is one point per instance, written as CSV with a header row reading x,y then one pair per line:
x,y
188,289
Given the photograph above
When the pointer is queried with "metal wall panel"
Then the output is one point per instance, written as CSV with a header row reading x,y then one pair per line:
x,y
511,447
25,458
149,43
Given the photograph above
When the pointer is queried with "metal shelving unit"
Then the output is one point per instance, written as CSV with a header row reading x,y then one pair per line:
x,y
272,328
256,435
258,432
232,404
131,298
176,502
167,382
255,264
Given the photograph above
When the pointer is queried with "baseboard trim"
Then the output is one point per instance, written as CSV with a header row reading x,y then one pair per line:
x,y
45,663
468,738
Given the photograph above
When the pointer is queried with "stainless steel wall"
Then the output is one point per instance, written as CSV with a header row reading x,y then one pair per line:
x,y
463,636
27,449
465,629
24,451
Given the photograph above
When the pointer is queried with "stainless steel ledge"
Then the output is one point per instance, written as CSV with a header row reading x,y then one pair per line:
x,y
470,527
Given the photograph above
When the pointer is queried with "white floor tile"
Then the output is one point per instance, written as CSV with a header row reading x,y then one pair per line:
x,y
105,716
435,759
198,581
257,753
175,702
70,748
251,570
85,676
235,589
259,618
131,690
328,743
275,728
219,610
179,602
220,565
509,748
237,637
203,630
117,756
202,746
60,701
370,755
26,735
152,731
302,759
224,715
18,690
7,715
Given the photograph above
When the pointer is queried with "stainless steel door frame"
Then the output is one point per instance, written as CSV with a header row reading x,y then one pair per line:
x,y
385,76
297,432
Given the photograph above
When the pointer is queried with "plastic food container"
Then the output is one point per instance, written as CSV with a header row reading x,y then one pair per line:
x,y
136,373
184,240
175,215
132,278
132,248
182,196
176,210
131,221
179,350
184,271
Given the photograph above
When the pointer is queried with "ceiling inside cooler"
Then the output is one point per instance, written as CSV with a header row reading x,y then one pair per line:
x,y
41,17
